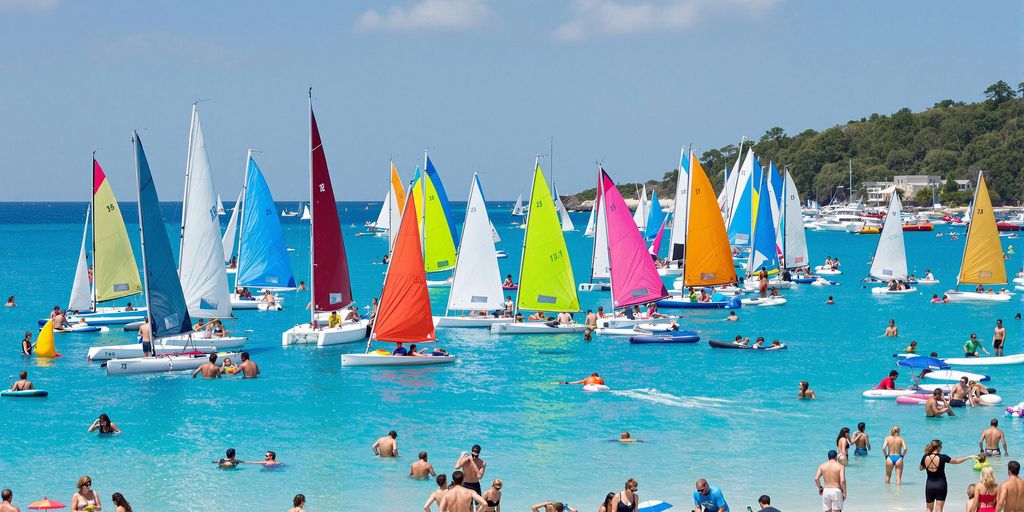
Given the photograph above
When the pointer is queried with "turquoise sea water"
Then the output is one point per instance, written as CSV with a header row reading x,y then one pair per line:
x,y
727,416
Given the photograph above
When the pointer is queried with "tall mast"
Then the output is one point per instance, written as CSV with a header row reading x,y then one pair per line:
x,y
188,169
423,206
312,218
92,224
596,209
526,235
142,232
241,215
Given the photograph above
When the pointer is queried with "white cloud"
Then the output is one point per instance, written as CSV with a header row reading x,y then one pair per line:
x,y
27,5
427,14
598,17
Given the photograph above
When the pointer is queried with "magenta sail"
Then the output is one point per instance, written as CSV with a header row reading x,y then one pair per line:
x,y
635,279
332,288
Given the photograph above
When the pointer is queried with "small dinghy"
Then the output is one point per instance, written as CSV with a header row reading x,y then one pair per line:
x,y
675,337
736,346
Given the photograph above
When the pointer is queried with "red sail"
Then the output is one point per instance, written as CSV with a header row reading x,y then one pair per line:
x,y
332,288
404,311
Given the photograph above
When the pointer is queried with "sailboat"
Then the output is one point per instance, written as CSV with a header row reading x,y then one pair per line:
x,y
764,254
330,284
680,214
305,212
390,214
168,309
600,269
563,214
982,263
230,234
634,278
518,210
81,288
114,273
262,257
590,229
642,209
890,260
204,282
435,217
741,219
655,217
476,282
707,255
220,206
546,283
794,239
403,315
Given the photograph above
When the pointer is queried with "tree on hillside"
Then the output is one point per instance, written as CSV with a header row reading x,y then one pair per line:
x,y
923,197
1000,92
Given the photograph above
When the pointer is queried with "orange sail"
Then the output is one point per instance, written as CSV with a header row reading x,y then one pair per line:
x,y
404,312
708,255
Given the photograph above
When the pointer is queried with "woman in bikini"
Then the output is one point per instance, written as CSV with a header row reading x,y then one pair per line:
x,y
121,503
843,443
104,425
861,443
438,494
298,502
627,500
493,498
894,448
805,391
86,499
985,491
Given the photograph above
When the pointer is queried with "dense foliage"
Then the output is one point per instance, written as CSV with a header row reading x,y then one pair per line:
x,y
952,139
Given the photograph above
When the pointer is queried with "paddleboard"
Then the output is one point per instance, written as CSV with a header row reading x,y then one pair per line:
x,y
31,393
954,375
887,393
986,361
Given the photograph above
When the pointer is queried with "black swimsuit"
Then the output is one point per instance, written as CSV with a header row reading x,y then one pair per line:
x,y
935,488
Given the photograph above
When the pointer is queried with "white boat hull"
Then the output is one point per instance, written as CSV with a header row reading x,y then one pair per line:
x,y
162,364
986,361
752,285
347,332
887,393
766,301
954,375
382,360
623,322
536,328
822,270
256,303
170,345
955,296
884,290
637,330
594,287
447,283
670,271
926,281
467,322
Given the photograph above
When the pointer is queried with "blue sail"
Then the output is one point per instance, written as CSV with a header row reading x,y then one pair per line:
x,y
654,218
168,312
262,256
742,224
443,196
763,249
777,184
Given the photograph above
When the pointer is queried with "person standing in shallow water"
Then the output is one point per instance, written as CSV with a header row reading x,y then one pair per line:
x,y
934,464
831,482
473,468
421,469
861,443
894,449
298,502
386,446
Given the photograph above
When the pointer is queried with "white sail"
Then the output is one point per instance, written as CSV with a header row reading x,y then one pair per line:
x,y
81,296
890,261
794,238
200,266
601,266
384,216
494,234
725,203
563,214
476,283
228,241
305,212
394,217
220,206
517,210
680,210
641,213
589,232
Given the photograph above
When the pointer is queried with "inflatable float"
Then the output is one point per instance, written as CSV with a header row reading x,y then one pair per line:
x,y
734,346
652,339
28,393
764,301
594,388
1015,411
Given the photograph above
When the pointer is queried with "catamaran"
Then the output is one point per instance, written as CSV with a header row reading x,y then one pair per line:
x,y
707,256
476,282
204,282
435,218
546,283
262,257
890,261
168,311
403,315
982,263
330,284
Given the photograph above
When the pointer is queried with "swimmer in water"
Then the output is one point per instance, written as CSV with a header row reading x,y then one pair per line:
x,y
626,437
229,461
805,393
732,317
594,378
421,469
861,444
892,330
830,300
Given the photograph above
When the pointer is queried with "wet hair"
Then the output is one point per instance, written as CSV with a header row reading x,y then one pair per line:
x,y
245,356
23,374
230,453
273,455
933,447
298,500
393,434
213,358
832,454
105,423
559,506
457,477
843,432
6,495
1014,467
119,500
894,430
442,480
861,426
83,481
423,455
608,500
804,385
994,422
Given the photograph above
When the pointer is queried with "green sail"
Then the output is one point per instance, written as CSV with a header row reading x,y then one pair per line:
x,y
546,282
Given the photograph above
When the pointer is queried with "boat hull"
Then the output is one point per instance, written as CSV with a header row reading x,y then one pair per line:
x,y
382,360
684,303
594,287
469,322
347,332
883,290
986,361
174,345
665,339
955,296
256,303
536,328
162,364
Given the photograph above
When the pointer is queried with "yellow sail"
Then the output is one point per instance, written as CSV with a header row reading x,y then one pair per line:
x,y
396,188
546,282
983,253
115,273
44,342
439,248
708,255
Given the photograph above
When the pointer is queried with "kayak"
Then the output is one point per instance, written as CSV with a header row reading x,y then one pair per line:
x,y
681,337
29,393
986,361
954,375
731,345
82,328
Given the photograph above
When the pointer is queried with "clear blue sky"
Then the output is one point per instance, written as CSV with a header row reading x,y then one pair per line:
x,y
484,83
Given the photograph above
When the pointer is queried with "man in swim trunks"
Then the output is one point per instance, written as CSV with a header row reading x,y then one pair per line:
x,y
209,369
708,498
472,468
961,391
1010,496
23,383
6,505
998,338
972,347
990,439
892,330
833,492
386,446
421,469
146,337
590,320
249,369
889,382
461,497
936,405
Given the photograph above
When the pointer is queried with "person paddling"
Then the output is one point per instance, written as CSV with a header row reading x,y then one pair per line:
x,y
594,378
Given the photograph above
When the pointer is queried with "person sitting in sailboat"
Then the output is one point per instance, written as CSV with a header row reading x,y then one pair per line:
x,y
334,320
268,297
928,275
652,311
400,350
507,283
704,296
353,313
565,318
217,328
538,317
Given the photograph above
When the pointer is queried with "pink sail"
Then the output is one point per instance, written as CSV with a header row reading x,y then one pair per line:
x,y
635,279
655,247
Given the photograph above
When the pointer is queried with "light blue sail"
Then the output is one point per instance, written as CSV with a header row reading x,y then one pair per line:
x,y
763,249
742,224
443,196
168,312
654,218
262,256
776,181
